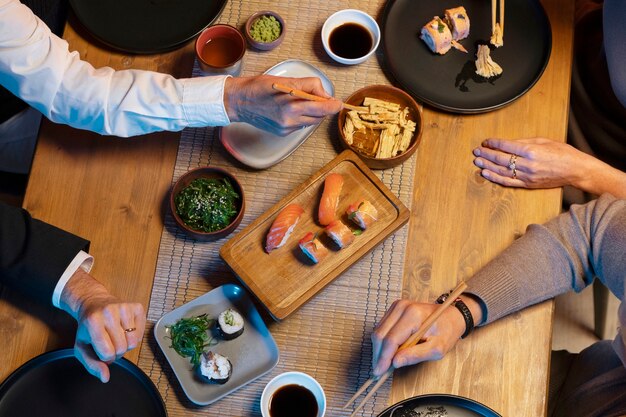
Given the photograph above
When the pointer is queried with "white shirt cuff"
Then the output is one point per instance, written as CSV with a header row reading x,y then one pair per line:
x,y
203,101
82,260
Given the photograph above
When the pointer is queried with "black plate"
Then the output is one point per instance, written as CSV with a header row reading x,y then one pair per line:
x,y
449,82
56,385
146,26
454,406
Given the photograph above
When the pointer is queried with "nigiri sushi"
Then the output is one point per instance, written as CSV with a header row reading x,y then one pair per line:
x,y
437,36
330,199
363,213
312,247
458,22
339,233
282,227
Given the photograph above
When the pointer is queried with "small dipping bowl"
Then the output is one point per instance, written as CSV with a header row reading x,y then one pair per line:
x,y
293,378
207,172
220,50
265,46
349,28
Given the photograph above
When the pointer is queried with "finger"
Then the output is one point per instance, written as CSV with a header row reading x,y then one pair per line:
x,y
428,350
115,330
507,181
495,156
137,321
129,326
96,334
386,323
312,85
503,171
504,145
86,356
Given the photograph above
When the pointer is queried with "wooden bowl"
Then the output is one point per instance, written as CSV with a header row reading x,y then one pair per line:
x,y
394,95
207,172
265,46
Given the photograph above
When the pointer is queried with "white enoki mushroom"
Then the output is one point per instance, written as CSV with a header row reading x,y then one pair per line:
x,y
497,36
485,66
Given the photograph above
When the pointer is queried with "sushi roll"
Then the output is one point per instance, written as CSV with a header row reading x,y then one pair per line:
x,y
312,247
282,227
363,213
437,36
339,233
458,22
230,324
330,199
215,367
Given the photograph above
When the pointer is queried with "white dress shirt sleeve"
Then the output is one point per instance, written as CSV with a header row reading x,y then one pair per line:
x,y
81,260
38,67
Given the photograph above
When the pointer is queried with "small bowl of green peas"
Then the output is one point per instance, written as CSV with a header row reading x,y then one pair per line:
x,y
265,30
207,203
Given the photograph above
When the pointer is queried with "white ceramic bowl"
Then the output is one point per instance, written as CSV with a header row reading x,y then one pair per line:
x,y
297,378
350,16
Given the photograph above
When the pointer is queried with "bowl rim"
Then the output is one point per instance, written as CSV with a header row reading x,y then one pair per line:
x,y
297,377
223,172
234,30
350,61
257,15
417,135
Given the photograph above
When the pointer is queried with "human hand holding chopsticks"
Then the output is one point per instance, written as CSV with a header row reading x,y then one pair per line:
x,y
254,100
404,319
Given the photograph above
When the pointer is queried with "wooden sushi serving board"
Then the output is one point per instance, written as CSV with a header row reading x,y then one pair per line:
x,y
285,279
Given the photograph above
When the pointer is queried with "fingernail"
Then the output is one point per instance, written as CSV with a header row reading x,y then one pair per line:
x,y
478,162
477,152
485,173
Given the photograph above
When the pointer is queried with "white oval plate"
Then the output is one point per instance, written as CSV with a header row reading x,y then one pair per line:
x,y
260,149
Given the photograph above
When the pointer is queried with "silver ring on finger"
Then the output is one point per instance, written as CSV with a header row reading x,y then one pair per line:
x,y
512,161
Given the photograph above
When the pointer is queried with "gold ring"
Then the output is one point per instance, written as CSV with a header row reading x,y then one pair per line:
x,y
514,173
512,162
130,329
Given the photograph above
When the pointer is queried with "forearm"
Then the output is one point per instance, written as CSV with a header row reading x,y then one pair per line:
x,y
38,67
597,177
565,253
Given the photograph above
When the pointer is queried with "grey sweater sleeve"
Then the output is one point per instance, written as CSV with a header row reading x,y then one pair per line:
x,y
565,253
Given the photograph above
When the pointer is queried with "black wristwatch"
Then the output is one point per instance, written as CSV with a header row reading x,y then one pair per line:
x,y
465,312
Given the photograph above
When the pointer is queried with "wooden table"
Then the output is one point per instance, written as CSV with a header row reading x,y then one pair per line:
x,y
110,191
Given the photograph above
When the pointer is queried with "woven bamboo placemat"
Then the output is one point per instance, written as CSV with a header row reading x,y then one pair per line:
x,y
328,338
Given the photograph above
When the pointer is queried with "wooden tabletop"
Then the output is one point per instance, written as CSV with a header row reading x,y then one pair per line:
x,y
110,191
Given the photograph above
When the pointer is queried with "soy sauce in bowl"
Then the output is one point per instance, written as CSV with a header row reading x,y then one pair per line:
x,y
350,41
293,400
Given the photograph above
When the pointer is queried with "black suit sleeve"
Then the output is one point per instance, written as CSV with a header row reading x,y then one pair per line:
x,y
34,254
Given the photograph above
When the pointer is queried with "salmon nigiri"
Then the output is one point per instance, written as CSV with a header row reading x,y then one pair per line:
x,y
282,227
330,199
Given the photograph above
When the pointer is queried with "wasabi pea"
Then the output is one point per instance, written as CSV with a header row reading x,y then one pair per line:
x,y
265,29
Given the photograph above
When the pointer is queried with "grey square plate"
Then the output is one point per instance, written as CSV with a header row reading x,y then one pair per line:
x,y
252,354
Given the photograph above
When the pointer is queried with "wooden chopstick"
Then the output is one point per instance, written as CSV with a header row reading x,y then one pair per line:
x,y
304,95
413,340
493,15
502,18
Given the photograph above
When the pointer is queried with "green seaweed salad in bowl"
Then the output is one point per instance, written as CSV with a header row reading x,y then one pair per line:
x,y
207,203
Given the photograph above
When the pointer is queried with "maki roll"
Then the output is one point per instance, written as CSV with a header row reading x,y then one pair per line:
x,y
363,213
215,367
459,22
339,233
312,247
230,323
437,36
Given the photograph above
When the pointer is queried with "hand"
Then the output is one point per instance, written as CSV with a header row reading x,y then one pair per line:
x,y
402,320
253,100
540,163
102,319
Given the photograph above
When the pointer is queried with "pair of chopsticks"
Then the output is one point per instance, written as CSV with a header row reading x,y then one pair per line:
x,y
306,96
411,341
497,28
